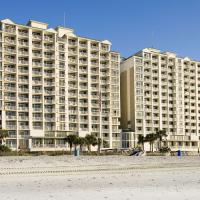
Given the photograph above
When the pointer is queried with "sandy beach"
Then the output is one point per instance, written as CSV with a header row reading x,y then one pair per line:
x,y
106,177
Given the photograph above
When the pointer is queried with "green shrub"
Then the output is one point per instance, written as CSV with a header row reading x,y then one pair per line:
x,y
164,150
4,148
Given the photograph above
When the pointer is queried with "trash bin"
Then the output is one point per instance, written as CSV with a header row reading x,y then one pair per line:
x,y
76,152
179,153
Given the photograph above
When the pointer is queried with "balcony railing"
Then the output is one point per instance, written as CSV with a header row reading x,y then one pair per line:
x,y
10,98
11,127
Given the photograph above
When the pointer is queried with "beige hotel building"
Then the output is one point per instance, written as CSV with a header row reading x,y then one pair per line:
x,y
160,90
54,83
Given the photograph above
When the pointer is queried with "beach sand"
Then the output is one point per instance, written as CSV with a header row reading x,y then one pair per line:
x,y
101,177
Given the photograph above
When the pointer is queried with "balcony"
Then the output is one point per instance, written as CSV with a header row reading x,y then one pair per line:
x,y
23,53
24,90
23,80
23,99
95,121
23,62
10,98
49,83
23,33
23,71
84,121
10,70
104,58
72,52
83,95
23,127
23,117
10,117
37,64
10,60
37,118
72,43
72,103
83,87
94,64
50,128
37,127
38,55
94,80
11,127
61,48
74,112
95,129
95,113
71,120
48,38
49,92
37,46
22,43
49,56
96,105
37,73
73,69
84,79
83,45
73,128
23,108
95,47
9,41
104,65
49,65
50,119
94,55
10,88
10,107
37,109
83,104
61,58
37,100
51,110
94,72
94,88
72,61
10,50
49,47
72,86
37,36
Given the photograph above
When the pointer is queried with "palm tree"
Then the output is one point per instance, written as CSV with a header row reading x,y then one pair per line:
x,y
141,140
81,143
70,140
3,135
99,143
160,134
76,142
90,140
105,144
151,137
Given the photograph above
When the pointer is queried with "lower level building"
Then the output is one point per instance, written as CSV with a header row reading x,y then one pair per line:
x,y
54,83
161,91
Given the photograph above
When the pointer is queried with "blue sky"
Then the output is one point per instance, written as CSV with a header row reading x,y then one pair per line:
x,y
130,25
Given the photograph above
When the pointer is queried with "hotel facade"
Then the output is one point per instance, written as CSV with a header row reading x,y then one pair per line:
x,y
160,90
54,83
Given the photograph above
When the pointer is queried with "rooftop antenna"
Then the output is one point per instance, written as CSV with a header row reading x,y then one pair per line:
x,y
152,37
64,19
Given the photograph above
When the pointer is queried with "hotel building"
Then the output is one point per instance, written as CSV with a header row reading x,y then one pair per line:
x,y
160,90
54,83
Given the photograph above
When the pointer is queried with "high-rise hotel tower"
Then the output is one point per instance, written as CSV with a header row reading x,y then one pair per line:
x,y
160,90
54,83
